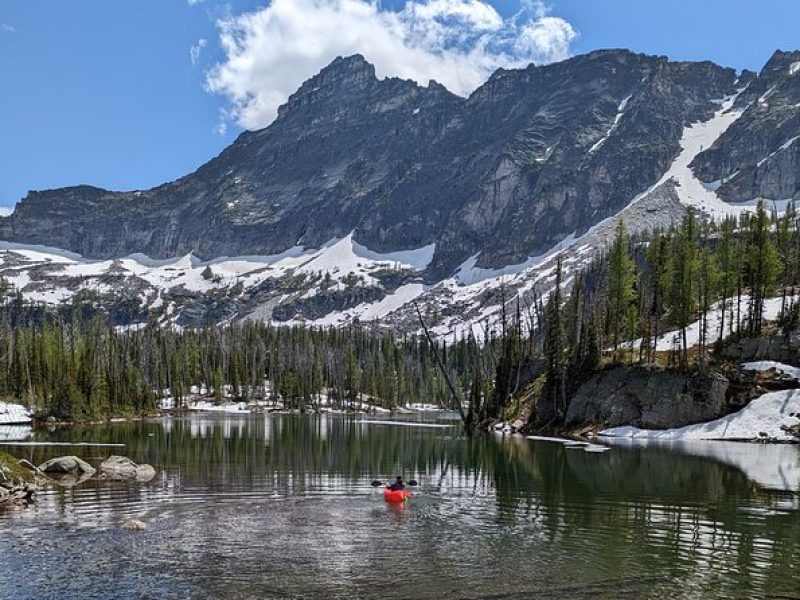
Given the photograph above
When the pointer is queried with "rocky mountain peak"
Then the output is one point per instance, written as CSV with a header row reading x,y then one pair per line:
x,y
350,74
347,69
781,60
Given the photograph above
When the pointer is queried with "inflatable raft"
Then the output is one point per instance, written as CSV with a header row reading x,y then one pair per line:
x,y
396,496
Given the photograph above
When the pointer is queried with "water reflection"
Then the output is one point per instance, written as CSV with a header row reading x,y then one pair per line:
x,y
773,466
267,506
15,433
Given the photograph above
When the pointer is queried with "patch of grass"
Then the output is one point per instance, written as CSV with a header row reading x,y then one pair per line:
x,y
13,471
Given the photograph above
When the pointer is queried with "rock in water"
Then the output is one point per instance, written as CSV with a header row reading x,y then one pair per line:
x,y
145,473
118,467
121,468
134,525
17,494
67,465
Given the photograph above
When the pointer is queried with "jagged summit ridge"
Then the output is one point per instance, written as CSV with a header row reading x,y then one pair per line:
x,y
533,157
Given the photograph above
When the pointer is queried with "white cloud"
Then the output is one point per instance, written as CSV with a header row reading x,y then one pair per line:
x,y
7,27
196,49
271,51
193,2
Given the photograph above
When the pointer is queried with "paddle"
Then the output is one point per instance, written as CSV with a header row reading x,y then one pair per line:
x,y
377,483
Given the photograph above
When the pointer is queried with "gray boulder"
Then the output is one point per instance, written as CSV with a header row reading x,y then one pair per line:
x,y
145,473
121,468
647,398
67,465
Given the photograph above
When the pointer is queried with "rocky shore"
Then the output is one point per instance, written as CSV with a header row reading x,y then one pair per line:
x,y
20,480
18,486
749,390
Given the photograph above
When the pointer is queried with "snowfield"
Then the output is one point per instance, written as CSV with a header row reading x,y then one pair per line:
x,y
696,138
60,275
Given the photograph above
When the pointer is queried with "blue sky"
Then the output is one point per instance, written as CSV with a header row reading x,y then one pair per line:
x,y
106,93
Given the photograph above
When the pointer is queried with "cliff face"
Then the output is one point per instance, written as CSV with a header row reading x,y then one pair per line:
x,y
648,398
759,155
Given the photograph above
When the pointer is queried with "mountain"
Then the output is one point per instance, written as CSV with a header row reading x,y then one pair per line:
x,y
366,193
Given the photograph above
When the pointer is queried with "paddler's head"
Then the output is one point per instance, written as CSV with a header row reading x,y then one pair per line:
x,y
399,479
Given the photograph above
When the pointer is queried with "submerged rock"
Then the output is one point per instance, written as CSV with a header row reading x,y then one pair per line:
x,y
121,468
67,465
134,525
69,480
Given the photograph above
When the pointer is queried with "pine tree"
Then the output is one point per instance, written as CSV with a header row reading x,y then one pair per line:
x,y
729,270
682,270
554,406
621,290
763,265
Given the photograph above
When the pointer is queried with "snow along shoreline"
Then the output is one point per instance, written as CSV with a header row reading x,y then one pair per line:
x,y
14,414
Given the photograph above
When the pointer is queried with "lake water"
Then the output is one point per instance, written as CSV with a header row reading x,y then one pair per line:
x,y
281,506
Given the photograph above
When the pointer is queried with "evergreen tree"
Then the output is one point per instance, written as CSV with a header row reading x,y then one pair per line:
x,y
621,290
763,266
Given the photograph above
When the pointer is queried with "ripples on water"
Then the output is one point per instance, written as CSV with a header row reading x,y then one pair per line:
x,y
281,506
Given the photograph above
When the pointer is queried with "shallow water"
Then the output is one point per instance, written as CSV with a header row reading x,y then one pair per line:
x,y
281,506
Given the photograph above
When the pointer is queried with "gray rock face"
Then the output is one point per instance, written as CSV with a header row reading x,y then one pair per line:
x,y
121,468
649,399
759,155
530,157
67,465
778,347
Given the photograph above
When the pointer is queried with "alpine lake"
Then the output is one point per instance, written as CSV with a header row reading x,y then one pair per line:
x,y
282,506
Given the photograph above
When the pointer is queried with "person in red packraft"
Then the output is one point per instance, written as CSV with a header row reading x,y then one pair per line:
x,y
398,485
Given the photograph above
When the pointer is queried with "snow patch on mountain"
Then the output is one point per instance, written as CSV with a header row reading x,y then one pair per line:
x,y
417,259
696,138
368,311
617,118
469,274
52,276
